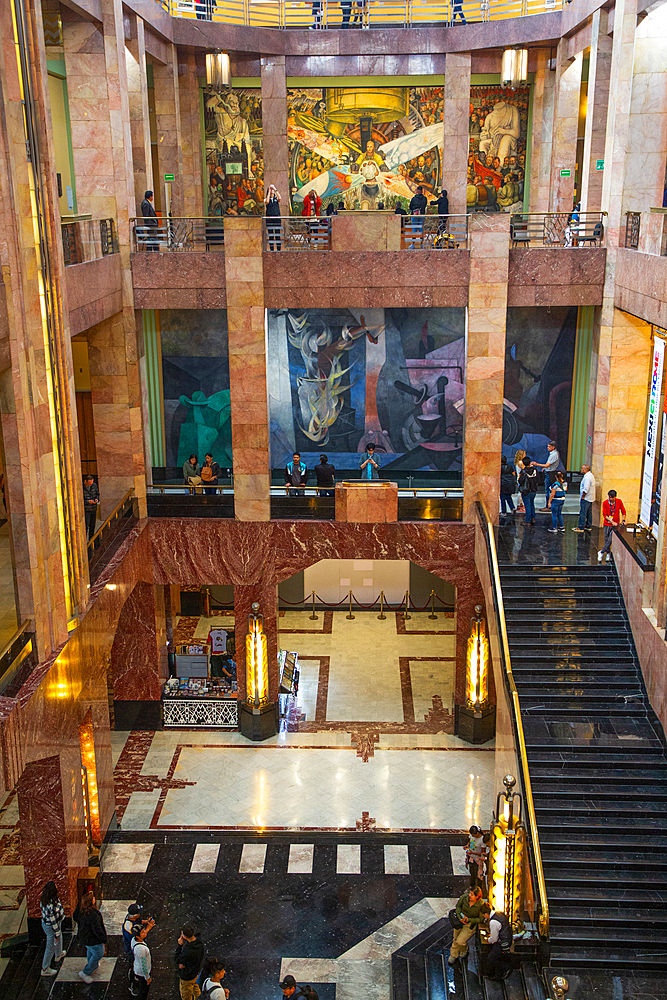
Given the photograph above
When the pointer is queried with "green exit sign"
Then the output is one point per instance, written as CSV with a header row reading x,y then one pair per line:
x,y
599,164
566,173
169,177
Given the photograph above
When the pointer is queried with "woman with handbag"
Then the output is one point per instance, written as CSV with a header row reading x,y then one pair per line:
x,y
465,920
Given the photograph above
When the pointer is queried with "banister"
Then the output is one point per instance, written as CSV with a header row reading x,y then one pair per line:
x,y
112,516
543,917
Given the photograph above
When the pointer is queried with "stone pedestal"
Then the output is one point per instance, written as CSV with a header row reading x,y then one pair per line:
x,y
476,727
368,502
258,725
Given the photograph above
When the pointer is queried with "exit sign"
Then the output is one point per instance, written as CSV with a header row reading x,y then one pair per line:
x,y
599,164
566,173
168,177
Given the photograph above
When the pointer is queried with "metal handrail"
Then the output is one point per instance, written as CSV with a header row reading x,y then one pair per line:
x,y
178,234
543,917
434,232
416,491
297,232
115,513
11,658
557,229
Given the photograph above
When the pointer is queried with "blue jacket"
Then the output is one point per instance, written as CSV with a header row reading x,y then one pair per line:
x,y
374,474
288,473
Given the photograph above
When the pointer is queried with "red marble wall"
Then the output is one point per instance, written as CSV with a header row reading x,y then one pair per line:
x,y
556,276
138,654
94,292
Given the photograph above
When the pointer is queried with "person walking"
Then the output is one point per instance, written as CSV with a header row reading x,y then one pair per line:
x,y
296,474
141,967
458,12
468,915
586,501
519,456
500,938
92,935
612,512
210,471
272,211
528,487
211,980
555,502
91,501
324,473
189,956
53,915
550,466
507,486
150,220
370,463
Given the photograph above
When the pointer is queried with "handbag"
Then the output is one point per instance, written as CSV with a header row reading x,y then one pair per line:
x,y
454,920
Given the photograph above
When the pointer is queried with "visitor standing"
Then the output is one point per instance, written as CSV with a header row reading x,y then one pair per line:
x,y
53,915
550,466
272,209
612,512
528,487
324,473
192,471
92,935
189,956
296,474
586,501
142,960
519,456
500,938
507,486
150,220
210,471
370,463
465,920
555,501
91,501
211,980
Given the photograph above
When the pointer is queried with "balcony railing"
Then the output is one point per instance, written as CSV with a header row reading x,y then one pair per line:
x,y
178,234
558,229
106,539
632,227
355,13
297,233
434,232
88,239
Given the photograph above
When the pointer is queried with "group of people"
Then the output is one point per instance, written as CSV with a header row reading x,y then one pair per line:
x,y
296,472
524,477
205,476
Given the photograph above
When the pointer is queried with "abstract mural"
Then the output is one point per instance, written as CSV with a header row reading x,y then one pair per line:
x,y
539,362
341,378
498,133
364,147
234,156
195,378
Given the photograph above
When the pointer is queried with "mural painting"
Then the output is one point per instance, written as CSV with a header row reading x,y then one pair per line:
x,y
364,148
234,154
498,131
538,380
195,377
342,378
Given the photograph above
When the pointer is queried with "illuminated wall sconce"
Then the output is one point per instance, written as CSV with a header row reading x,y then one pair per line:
x,y
476,720
217,71
258,717
514,68
508,855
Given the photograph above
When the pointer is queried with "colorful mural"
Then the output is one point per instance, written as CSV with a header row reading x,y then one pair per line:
x,y
195,378
498,128
364,147
234,155
341,378
538,380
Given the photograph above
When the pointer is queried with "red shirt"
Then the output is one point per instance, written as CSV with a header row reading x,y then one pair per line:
x,y
613,515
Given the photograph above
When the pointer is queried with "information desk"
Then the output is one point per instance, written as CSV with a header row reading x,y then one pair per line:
x,y
207,706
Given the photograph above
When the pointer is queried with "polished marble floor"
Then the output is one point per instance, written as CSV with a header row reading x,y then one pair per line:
x,y
536,546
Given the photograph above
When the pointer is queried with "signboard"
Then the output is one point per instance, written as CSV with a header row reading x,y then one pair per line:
x,y
599,164
168,177
652,428
566,173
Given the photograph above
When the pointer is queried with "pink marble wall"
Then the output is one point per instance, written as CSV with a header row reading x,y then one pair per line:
x,y
365,231
367,503
94,292
274,127
565,125
641,285
456,120
597,105
179,281
556,276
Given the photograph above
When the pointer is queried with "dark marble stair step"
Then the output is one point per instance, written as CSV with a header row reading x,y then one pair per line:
x,y
418,989
591,957
600,807
525,656
613,680
581,749
607,894
533,984
606,916
630,860
493,990
28,975
436,976
596,692
577,842
551,821
615,937
559,790
399,978
559,589
551,707
624,878
472,988
514,989
549,602
602,776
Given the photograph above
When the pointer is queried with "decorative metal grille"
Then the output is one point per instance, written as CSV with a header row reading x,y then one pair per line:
x,y
200,712
632,224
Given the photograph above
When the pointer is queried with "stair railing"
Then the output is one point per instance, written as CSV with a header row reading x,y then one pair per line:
x,y
535,855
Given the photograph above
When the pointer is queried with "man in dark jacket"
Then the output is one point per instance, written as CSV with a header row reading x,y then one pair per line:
x,y
442,204
91,501
92,935
296,474
150,218
418,203
189,957
324,473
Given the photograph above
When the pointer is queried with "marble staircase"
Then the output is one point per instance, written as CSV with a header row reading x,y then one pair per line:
x,y
597,763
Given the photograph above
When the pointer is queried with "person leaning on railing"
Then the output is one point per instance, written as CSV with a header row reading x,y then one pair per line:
x,y
150,217
272,209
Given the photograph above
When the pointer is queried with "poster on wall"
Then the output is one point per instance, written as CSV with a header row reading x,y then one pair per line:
x,y
340,379
195,378
652,431
498,133
539,362
234,178
364,148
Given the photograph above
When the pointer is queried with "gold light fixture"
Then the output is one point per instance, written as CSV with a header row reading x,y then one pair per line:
x,y
508,851
514,68
217,71
257,661
477,664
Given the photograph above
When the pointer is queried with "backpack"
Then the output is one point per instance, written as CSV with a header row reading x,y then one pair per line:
x,y
207,473
528,480
308,993
208,992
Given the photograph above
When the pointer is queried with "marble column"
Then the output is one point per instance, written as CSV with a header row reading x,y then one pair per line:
x,y
137,92
274,127
456,115
191,143
646,151
485,361
139,665
247,368
596,112
542,133
168,124
566,122
266,595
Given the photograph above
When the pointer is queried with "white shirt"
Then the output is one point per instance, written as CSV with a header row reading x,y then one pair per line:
x,y
587,488
142,959
218,993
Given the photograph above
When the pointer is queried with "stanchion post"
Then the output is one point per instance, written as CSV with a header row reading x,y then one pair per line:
x,y
382,616
406,614
350,616
433,615
313,617
207,602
